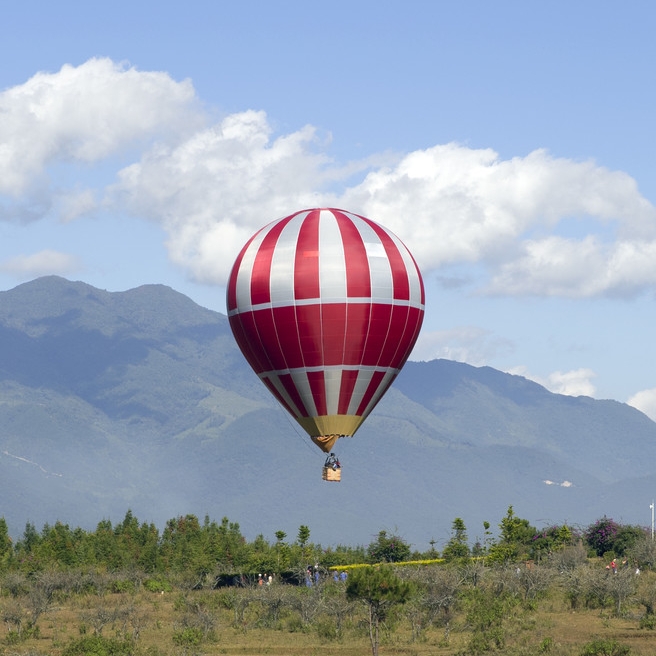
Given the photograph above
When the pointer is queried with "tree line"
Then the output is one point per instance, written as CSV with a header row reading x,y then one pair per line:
x,y
485,592
210,548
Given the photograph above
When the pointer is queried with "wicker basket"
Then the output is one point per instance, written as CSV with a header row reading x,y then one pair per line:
x,y
330,474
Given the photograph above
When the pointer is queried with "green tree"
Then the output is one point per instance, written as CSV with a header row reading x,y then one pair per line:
x,y
626,538
6,547
486,609
60,546
26,549
303,535
514,540
282,551
380,589
262,557
457,547
232,548
182,549
388,549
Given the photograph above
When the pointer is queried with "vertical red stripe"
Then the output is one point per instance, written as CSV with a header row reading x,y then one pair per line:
x,y
318,389
358,276
306,263
308,321
284,321
407,341
333,326
399,272
288,383
379,393
381,315
349,378
261,271
394,335
265,326
357,327
272,388
374,384
245,331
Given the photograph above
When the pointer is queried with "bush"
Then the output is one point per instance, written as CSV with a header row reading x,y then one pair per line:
x,y
122,586
388,549
605,648
326,630
156,585
190,636
99,646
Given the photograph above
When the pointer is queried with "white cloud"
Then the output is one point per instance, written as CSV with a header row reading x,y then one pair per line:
x,y
453,204
576,382
85,114
554,266
450,204
212,186
645,401
46,262
214,190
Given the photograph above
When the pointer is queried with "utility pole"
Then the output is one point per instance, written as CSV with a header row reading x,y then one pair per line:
x,y
652,520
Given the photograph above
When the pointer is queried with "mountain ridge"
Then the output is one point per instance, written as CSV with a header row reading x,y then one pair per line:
x,y
140,400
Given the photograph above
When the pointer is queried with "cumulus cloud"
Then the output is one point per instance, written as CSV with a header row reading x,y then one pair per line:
x,y
86,114
577,382
645,401
46,262
453,204
450,204
554,266
538,224
212,191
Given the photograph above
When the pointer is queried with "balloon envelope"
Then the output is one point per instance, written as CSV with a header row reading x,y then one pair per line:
x,y
326,306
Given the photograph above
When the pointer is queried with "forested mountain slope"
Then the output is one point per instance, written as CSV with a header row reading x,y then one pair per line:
x,y
141,400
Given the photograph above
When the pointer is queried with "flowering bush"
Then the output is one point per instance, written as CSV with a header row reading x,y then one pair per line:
x,y
601,535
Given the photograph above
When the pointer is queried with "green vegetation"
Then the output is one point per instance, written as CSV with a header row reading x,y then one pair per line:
x,y
380,589
195,588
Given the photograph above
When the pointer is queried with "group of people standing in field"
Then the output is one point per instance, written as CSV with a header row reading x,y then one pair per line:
x,y
267,579
612,566
313,576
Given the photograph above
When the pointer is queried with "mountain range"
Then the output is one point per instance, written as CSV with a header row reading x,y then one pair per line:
x,y
141,400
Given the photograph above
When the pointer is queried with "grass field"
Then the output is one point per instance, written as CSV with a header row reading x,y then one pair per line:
x,y
288,621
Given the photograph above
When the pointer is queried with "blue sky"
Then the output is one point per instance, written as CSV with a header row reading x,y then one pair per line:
x,y
510,145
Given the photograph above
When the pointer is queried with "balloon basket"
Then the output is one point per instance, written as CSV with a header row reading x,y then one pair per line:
x,y
330,474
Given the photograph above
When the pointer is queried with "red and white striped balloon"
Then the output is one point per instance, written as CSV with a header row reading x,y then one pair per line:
x,y
326,306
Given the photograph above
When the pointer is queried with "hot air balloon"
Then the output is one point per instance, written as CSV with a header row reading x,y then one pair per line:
x,y
326,306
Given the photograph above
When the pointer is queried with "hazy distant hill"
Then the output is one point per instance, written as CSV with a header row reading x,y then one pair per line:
x,y
141,400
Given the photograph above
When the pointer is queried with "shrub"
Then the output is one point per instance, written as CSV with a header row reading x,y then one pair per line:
x,y
190,636
600,536
326,630
157,585
388,549
122,586
97,645
604,647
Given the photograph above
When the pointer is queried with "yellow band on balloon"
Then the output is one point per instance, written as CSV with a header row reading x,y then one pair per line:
x,y
329,425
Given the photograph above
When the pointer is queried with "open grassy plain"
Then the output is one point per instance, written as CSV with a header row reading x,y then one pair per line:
x,y
495,612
